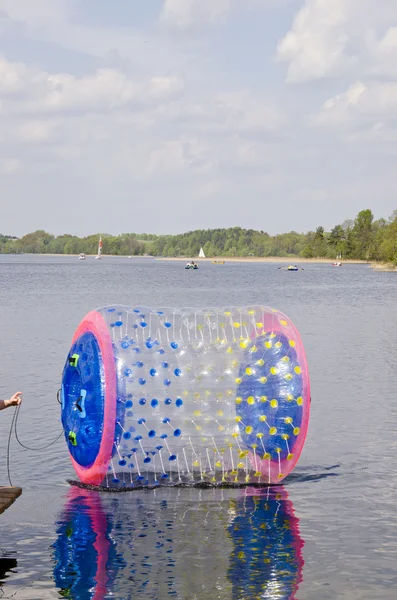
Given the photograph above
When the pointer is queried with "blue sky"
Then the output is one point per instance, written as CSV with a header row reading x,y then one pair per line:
x,y
169,115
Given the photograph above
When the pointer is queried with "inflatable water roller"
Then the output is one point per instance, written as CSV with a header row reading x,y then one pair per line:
x,y
212,397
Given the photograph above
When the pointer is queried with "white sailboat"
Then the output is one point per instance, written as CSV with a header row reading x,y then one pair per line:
x,y
201,253
338,262
99,255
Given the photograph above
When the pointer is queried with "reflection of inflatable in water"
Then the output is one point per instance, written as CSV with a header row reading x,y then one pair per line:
x,y
85,552
267,548
246,544
164,397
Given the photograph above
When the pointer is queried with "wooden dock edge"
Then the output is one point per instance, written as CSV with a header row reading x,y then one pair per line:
x,y
8,495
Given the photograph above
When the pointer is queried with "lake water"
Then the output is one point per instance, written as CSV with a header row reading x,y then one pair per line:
x,y
330,532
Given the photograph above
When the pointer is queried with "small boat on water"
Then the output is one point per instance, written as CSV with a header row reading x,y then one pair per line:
x,y
82,256
337,264
201,253
218,262
192,265
290,268
99,255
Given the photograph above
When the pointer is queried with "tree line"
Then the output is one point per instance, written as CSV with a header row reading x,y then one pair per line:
x,y
363,238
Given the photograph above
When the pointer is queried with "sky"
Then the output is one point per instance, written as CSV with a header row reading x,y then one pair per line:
x,y
164,116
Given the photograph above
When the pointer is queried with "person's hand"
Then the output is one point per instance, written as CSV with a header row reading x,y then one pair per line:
x,y
15,400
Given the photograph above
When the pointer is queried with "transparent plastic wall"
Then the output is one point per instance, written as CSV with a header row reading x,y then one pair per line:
x,y
185,396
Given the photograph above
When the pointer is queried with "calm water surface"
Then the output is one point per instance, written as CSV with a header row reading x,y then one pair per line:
x,y
329,532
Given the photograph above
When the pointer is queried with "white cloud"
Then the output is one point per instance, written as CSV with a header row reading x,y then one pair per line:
x,y
332,38
362,106
10,166
315,47
29,90
34,131
191,14
36,13
185,14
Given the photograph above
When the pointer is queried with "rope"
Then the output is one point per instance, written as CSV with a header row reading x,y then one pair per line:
x,y
14,429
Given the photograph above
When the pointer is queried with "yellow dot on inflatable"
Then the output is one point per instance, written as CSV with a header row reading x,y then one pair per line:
x,y
249,430
263,418
274,371
185,393
299,401
292,343
266,456
220,413
251,312
278,450
259,436
237,419
234,435
280,476
218,463
197,413
227,313
288,377
251,400
278,344
249,371
296,431
235,363
197,395
273,430
222,325
259,325
288,420
238,380
229,350
196,463
198,428
260,362
239,400
285,436
236,325
244,344
243,453
298,370
263,399
221,428
241,465
268,344
285,359
257,474
254,446
290,456
229,392
274,403
290,397
284,322
263,380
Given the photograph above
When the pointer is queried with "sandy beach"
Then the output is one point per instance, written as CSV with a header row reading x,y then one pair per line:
x,y
262,259
388,267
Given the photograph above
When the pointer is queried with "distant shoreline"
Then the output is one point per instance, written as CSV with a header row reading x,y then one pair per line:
x,y
225,259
